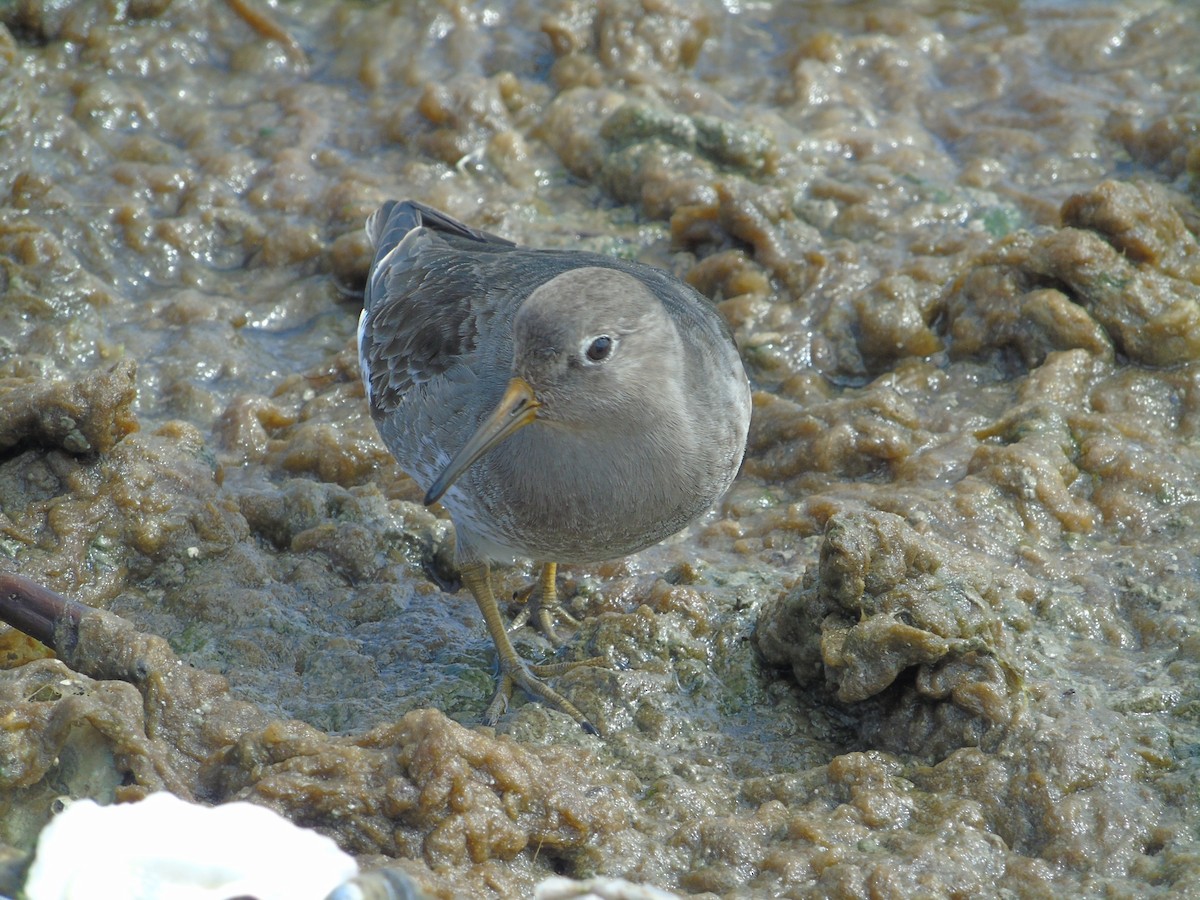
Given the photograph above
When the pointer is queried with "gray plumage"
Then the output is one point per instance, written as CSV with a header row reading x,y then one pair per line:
x,y
623,451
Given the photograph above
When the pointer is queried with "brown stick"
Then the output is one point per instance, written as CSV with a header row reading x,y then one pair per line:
x,y
266,26
39,612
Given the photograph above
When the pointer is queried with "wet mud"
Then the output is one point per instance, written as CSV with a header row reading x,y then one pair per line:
x,y
940,638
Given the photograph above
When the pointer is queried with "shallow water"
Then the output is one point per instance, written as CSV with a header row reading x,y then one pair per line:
x,y
939,639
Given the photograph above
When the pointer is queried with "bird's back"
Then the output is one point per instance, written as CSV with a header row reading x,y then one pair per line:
x,y
435,336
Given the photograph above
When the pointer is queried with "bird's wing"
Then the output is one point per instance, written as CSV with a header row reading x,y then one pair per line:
x,y
421,309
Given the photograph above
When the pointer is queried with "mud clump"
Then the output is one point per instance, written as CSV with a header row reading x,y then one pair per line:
x,y
1124,271
89,414
885,602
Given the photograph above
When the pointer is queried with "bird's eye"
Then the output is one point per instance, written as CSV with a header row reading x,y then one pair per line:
x,y
600,348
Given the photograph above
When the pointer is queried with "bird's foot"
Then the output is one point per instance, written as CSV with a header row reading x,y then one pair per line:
x,y
514,671
542,606
529,679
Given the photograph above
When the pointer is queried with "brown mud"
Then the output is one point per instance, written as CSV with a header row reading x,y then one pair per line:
x,y
941,637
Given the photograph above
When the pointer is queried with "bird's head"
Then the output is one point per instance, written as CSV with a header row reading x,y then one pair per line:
x,y
589,347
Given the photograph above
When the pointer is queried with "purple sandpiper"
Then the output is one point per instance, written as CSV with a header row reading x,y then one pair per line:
x,y
563,406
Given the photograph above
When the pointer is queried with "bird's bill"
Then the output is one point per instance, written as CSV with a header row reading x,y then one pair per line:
x,y
516,409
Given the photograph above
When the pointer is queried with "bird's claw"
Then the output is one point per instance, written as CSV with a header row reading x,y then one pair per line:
x,y
529,679
542,606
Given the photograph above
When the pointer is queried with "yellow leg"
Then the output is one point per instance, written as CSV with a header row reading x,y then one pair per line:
x,y
542,606
514,671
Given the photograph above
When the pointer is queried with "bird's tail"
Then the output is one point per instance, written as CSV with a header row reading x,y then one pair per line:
x,y
392,228
387,226
399,227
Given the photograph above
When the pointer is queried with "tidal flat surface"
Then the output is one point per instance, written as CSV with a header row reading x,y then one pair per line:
x,y
942,637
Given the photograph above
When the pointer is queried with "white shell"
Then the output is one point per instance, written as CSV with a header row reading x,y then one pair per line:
x,y
560,888
168,849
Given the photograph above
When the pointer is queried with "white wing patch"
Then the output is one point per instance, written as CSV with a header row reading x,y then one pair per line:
x,y
362,356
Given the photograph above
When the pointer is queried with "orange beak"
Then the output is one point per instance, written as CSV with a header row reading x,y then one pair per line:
x,y
516,409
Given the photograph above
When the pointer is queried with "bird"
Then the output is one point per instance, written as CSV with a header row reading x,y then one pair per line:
x,y
563,406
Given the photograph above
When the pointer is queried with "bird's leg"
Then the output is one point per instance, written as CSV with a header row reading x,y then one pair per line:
x,y
542,606
514,671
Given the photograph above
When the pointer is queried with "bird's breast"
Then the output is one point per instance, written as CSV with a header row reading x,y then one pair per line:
x,y
582,498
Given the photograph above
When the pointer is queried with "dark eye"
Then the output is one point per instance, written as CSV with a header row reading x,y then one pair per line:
x,y
600,348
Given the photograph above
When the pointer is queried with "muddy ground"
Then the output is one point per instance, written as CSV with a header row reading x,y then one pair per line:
x,y
941,638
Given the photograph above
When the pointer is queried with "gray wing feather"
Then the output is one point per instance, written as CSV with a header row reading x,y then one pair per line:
x,y
421,298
